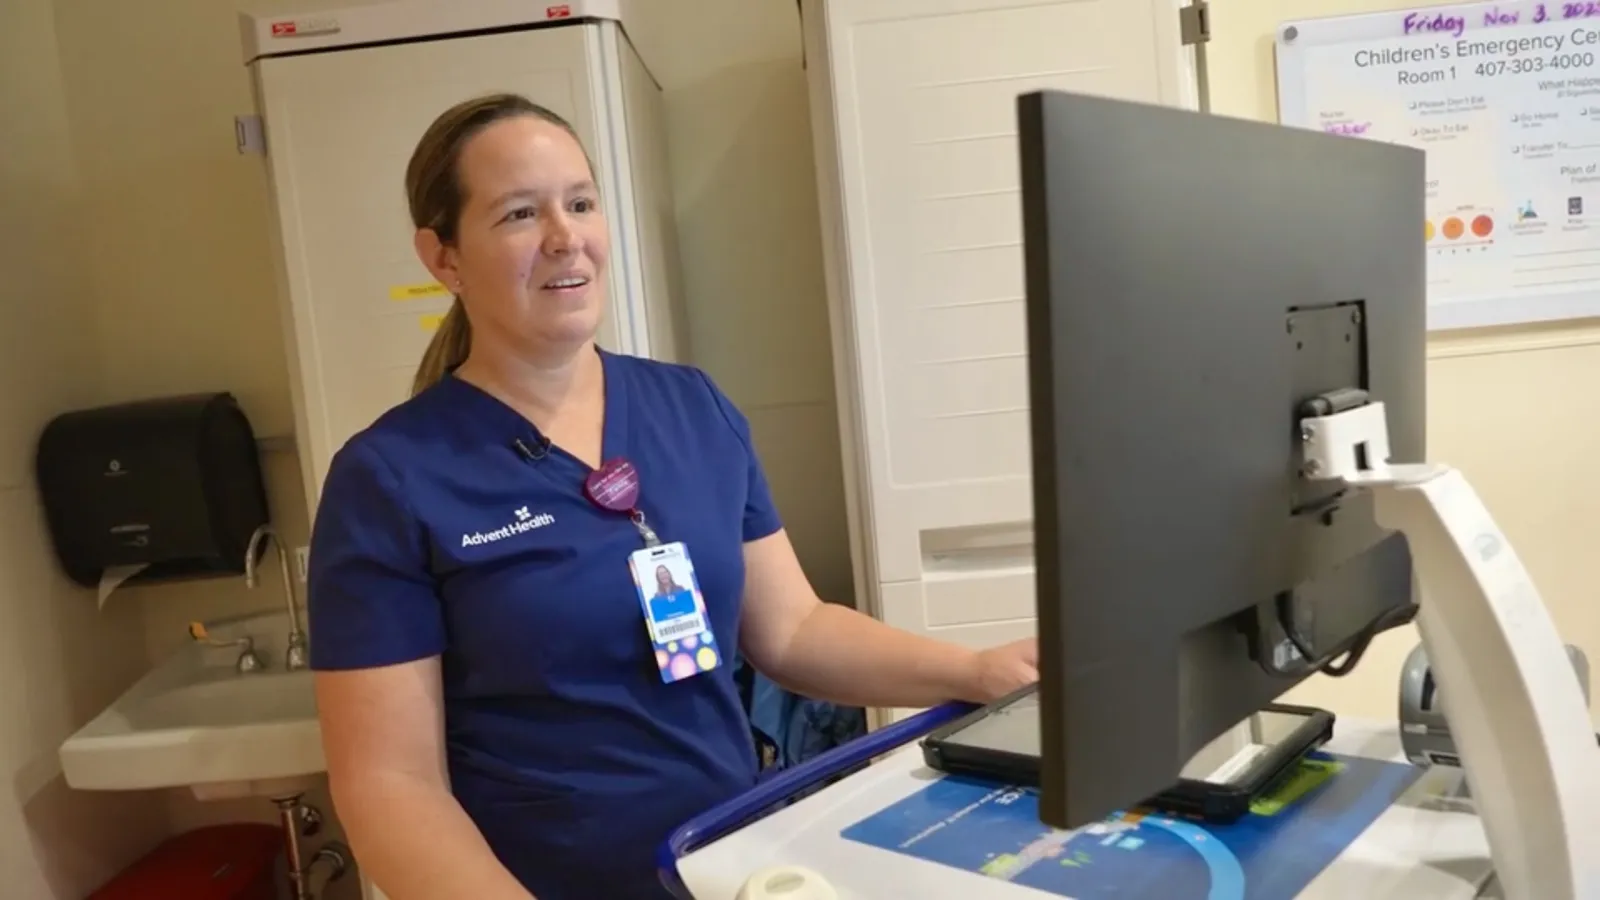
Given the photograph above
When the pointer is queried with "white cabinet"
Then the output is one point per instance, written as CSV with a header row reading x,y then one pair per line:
x,y
345,94
914,111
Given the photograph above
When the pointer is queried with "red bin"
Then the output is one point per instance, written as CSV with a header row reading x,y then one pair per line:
x,y
235,861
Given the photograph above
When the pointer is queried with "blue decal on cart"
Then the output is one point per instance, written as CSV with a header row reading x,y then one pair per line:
x,y
1275,851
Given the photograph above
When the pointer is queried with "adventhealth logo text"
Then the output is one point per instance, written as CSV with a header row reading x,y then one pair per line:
x,y
524,523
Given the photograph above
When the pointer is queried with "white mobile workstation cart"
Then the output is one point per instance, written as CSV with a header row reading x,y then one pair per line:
x,y
1368,827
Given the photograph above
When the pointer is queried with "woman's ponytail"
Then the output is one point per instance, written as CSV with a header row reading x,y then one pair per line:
x,y
447,350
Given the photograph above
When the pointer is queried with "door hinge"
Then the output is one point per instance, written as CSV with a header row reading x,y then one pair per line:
x,y
1194,23
800,8
250,135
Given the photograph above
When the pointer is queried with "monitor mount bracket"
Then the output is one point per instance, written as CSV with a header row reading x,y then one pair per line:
x,y
1509,693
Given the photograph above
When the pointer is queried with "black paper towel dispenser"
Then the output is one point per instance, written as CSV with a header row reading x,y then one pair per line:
x,y
173,484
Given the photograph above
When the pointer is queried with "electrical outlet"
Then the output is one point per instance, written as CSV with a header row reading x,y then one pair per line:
x,y
302,559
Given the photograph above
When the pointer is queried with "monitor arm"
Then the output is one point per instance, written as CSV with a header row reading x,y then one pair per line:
x,y
1514,705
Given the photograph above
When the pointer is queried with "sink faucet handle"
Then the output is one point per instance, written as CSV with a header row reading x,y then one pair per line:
x,y
198,632
248,661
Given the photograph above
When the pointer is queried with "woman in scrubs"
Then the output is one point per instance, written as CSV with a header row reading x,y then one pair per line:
x,y
504,712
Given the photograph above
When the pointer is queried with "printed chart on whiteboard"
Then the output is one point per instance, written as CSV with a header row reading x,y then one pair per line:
x,y
1505,100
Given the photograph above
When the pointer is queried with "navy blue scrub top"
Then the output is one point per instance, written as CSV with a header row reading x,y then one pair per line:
x,y
565,747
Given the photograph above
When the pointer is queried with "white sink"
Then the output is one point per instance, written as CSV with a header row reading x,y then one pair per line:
x,y
194,721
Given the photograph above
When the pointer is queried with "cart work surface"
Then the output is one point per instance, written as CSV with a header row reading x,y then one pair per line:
x,y
898,829
1275,851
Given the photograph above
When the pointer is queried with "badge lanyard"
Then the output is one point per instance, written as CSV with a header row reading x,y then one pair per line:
x,y
615,487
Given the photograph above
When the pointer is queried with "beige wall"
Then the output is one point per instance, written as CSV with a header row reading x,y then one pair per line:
x,y
1507,406
60,661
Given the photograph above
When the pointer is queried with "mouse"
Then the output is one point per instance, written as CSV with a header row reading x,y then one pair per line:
x,y
787,883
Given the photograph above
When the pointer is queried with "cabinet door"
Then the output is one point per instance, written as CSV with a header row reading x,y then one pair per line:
x,y
340,129
914,104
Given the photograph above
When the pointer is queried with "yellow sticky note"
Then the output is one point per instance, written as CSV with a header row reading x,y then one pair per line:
x,y
418,291
430,322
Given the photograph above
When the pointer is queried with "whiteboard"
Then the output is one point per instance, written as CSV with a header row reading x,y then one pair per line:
x,y
1505,100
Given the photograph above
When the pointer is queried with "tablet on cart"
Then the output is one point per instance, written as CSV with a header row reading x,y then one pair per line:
x,y
1000,743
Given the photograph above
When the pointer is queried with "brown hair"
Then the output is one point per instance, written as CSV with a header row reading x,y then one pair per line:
x,y
436,195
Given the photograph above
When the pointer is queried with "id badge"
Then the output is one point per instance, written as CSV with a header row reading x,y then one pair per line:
x,y
674,611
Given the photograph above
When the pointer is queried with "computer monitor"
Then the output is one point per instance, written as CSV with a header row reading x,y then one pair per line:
x,y
1195,285
1226,336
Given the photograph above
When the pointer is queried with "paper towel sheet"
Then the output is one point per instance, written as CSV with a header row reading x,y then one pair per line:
x,y
113,578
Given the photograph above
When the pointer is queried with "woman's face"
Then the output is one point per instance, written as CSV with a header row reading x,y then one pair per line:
x,y
532,243
663,578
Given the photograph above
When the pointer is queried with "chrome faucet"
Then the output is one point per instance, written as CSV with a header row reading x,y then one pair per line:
x,y
295,656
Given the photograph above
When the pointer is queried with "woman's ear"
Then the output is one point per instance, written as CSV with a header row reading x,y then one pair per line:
x,y
439,257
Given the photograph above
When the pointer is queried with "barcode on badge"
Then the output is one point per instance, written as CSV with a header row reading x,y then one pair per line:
x,y
679,628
